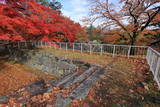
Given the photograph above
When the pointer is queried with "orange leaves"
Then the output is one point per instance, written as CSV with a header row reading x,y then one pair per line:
x,y
13,78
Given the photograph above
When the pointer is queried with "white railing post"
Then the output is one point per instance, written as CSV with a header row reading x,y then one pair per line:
x,y
81,48
66,46
152,61
32,43
90,48
60,45
44,44
147,56
54,45
38,43
101,49
129,51
35,44
157,68
114,49
157,72
50,46
41,44
150,58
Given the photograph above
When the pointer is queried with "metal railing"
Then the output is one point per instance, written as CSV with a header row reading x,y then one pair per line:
x,y
102,49
153,59
152,56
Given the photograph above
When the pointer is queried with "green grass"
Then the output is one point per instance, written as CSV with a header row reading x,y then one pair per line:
x,y
121,63
76,55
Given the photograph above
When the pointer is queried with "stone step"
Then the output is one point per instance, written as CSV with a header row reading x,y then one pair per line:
x,y
54,83
66,79
80,78
81,91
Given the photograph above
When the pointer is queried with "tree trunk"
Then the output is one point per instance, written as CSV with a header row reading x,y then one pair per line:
x,y
133,39
132,43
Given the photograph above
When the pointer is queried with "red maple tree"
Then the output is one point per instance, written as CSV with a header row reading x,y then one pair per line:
x,y
28,20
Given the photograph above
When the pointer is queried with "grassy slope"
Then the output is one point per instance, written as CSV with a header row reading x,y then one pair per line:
x,y
77,55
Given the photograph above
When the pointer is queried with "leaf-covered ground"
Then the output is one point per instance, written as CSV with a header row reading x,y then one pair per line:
x,y
123,86
126,84
14,76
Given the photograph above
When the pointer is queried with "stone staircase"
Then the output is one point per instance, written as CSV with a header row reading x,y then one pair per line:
x,y
78,83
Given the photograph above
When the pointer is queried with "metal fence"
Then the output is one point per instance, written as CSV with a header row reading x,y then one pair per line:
x,y
153,59
152,56
102,49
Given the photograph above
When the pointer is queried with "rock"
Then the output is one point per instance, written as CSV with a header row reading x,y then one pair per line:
x,y
3,99
37,87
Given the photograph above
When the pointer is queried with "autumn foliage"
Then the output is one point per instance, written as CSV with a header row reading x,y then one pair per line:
x,y
133,18
28,20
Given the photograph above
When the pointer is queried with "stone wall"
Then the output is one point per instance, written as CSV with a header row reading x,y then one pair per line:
x,y
46,62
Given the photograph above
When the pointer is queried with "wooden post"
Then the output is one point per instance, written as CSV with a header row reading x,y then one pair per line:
x,y
114,49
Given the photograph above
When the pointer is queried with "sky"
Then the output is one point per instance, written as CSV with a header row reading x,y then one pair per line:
x,y
76,9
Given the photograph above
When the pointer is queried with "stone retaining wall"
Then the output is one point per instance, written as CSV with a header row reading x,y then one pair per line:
x,y
46,62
